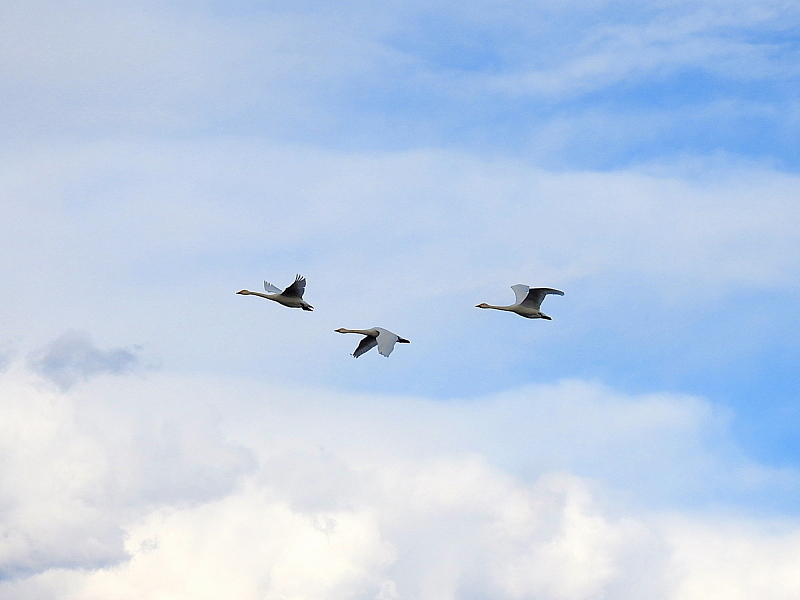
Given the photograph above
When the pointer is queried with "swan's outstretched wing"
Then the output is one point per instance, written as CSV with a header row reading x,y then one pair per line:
x,y
536,295
386,341
521,292
297,288
367,343
271,289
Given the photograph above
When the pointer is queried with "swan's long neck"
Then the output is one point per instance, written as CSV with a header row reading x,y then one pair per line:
x,y
268,296
361,331
510,308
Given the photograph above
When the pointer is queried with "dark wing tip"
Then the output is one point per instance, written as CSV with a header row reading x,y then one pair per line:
x,y
297,287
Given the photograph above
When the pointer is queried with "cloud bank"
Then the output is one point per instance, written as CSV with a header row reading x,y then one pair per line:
x,y
193,489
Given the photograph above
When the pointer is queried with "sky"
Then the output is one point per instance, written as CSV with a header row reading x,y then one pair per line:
x,y
162,438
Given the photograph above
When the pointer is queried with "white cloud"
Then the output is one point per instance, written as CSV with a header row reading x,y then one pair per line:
x,y
428,201
736,559
377,234
192,488
73,473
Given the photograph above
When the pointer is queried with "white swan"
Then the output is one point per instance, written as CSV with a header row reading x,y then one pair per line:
x,y
292,296
528,301
383,339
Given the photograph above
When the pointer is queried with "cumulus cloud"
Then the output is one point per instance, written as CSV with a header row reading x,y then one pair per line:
x,y
198,488
452,529
73,473
73,357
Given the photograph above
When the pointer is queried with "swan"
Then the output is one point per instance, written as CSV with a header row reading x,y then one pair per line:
x,y
292,296
528,301
382,338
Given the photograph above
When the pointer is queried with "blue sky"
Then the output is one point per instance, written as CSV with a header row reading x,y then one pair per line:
x,y
411,160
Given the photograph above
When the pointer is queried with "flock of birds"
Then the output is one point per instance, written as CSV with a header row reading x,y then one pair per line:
x,y
528,304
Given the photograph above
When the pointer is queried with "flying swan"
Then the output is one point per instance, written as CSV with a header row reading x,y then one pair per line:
x,y
292,296
383,339
528,301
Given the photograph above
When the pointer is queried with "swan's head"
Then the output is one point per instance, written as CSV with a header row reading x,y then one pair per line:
x,y
482,305
244,292
341,330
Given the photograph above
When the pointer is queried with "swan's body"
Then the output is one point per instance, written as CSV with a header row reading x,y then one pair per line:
x,y
383,339
528,301
292,296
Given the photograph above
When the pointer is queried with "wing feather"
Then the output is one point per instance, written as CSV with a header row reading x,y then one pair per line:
x,y
536,295
367,343
521,292
297,288
271,289
386,341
